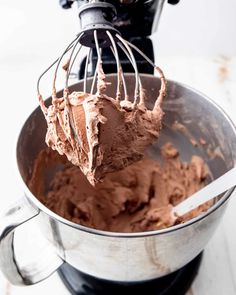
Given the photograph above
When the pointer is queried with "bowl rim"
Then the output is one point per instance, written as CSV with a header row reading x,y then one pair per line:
x,y
35,202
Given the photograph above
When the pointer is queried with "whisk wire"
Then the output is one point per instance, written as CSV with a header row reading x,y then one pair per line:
x,y
115,42
119,69
97,46
122,77
72,61
162,77
57,60
86,69
136,91
131,61
99,60
60,59
162,91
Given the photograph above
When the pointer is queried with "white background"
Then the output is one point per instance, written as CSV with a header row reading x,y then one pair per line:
x,y
195,44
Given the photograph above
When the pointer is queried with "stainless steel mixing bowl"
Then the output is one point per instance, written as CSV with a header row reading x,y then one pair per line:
x,y
126,257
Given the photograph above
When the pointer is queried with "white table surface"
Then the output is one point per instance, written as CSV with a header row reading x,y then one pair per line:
x,y
214,76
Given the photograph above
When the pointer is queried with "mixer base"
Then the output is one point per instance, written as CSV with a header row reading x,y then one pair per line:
x,y
176,283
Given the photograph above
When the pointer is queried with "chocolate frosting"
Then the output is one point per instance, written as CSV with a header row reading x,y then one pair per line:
x,y
98,133
137,198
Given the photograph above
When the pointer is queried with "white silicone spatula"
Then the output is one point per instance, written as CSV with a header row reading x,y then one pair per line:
x,y
209,192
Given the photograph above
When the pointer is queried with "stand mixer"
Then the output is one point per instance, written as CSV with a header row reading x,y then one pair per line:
x,y
95,262
135,21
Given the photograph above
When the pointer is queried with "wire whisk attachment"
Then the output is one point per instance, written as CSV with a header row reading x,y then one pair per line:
x,y
98,133
116,43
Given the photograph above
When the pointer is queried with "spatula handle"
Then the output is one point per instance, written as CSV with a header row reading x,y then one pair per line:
x,y
212,190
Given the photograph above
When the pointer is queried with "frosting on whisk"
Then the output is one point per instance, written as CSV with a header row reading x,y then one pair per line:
x,y
98,133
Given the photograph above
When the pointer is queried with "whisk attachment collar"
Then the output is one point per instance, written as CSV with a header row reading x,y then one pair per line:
x,y
97,16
